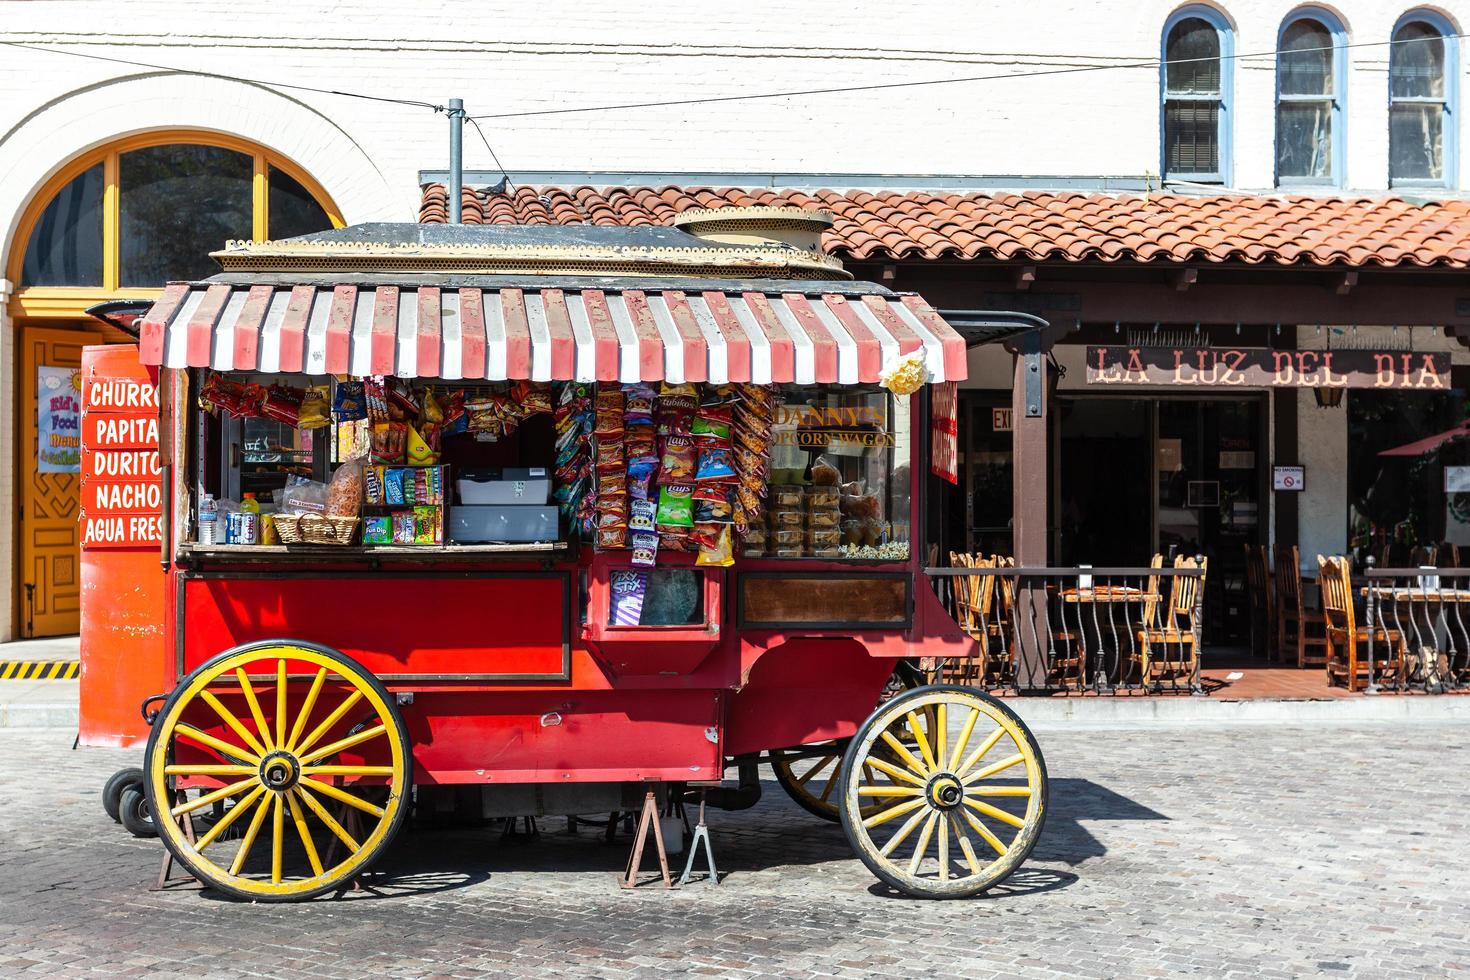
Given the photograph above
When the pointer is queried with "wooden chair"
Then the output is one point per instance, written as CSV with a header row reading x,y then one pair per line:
x,y
1258,594
1298,629
1345,662
1000,655
976,614
1175,628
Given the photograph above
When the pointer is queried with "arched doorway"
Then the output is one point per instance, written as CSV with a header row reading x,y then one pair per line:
x,y
117,223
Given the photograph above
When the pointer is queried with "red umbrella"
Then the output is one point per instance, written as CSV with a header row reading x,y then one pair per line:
x,y
1429,444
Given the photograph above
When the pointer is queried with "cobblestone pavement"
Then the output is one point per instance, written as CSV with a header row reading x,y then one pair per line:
x,y
1259,852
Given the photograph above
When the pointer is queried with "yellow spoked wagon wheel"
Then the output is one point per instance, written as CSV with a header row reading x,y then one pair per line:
x,y
293,763
960,790
808,773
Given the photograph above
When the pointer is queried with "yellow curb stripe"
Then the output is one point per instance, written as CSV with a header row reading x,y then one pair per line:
x,y
20,670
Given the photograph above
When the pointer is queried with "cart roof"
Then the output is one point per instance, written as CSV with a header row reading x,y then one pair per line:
x,y
544,304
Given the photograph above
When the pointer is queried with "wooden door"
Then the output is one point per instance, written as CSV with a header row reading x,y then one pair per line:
x,y
48,586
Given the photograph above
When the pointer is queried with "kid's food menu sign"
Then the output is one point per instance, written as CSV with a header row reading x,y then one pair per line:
x,y
122,486
58,416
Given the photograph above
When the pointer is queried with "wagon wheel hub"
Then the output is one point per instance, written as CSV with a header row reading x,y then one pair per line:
x,y
945,791
279,771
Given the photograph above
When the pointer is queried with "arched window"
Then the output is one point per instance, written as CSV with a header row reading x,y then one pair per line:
x,y
148,210
1311,83
1422,72
1195,79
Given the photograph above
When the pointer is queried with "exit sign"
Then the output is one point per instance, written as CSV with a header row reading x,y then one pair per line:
x,y
1001,418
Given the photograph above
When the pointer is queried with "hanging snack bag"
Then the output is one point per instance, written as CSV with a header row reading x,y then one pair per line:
x,y
645,549
389,439
609,455
401,400
712,424
720,554
640,480
675,540
610,538
642,516
641,446
315,410
676,505
418,451
348,402
715,466
639,401
675,412
714,504
533,397
680,460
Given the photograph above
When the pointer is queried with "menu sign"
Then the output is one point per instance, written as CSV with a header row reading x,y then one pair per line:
x,y
1260,367
122,487
58,447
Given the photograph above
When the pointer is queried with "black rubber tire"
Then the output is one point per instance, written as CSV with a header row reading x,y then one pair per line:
x,y
395,718
134,813
112,790
1012,862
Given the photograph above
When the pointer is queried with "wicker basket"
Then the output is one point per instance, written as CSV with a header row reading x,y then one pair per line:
x,y
315,529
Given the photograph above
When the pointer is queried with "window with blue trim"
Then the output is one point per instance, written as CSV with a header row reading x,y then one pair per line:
x,y
1195,87
1309,96
1421,75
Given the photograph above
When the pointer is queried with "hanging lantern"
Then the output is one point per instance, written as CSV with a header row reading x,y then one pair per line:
x,y
905,375
1328,397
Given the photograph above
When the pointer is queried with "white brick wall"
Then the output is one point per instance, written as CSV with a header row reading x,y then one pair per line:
x,y
513,57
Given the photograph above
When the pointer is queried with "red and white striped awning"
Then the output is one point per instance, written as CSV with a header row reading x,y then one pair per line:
x,y
624,335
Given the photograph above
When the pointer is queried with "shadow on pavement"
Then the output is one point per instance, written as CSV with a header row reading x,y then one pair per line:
x,y
1065,839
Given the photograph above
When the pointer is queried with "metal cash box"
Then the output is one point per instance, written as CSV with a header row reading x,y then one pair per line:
x,y
511,485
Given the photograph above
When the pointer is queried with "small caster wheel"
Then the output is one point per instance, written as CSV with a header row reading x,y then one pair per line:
x,y
113,790
134,814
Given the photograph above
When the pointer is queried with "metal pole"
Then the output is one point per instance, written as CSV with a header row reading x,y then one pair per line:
x,y
456,160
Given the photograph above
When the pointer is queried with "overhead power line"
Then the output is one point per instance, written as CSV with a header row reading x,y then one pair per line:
x,y
222,76
1152,63
493,156
885,86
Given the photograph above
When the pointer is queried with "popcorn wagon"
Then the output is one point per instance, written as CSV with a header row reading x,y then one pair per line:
x,y
534,521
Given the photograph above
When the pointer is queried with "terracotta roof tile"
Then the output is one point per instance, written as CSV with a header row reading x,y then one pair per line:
x,y
1035,225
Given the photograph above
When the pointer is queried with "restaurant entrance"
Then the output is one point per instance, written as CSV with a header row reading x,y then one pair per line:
x,y
1176,475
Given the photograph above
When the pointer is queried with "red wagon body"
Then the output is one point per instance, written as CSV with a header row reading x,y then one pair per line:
x,y
367,670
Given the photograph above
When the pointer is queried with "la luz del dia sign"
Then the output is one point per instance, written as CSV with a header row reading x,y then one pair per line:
x,y
1261,367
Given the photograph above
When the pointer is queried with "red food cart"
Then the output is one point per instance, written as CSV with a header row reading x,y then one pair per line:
x,y
552,518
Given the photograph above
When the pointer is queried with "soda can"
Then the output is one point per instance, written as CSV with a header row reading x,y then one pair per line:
x,y
232,528
249,528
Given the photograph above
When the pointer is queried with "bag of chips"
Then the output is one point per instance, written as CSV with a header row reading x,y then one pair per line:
x,y
638,405
712,424
680,460
676,505
348,401
715,466
720,553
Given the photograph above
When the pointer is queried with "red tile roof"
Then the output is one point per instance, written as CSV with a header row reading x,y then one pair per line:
x,y
1036,226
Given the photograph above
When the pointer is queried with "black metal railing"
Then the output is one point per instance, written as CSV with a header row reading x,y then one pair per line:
x,y
1078,630
1417,634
